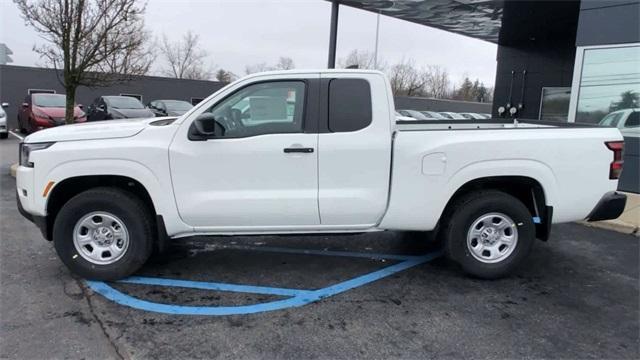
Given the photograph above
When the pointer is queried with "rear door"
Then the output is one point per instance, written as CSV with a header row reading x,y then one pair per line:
x,y
354,149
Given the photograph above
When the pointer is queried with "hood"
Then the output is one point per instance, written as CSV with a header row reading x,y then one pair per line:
x,y
58,112
109,129
131,113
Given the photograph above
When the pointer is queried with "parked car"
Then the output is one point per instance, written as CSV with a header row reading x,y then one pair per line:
x,y
402,117
169,107
452,115
42,111
627,120
108,194
433,115
472,116
417,115
4,128
117,107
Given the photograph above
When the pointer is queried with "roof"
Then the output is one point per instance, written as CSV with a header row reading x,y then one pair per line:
x,y
480,19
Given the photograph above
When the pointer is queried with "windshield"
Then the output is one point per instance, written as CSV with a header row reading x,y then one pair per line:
x,y
123,102
49,100
176,105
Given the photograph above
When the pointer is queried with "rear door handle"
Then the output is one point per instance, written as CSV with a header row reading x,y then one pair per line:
x,y
298,150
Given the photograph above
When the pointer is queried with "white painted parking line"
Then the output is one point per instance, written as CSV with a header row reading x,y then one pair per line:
x,y
16,134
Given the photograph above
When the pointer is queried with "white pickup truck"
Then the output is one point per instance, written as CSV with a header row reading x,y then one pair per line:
x,y
297,152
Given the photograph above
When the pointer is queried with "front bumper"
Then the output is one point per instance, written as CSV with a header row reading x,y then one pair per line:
x,y
609,207
39,221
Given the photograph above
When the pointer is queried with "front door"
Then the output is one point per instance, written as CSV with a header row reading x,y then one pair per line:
x,y
260,171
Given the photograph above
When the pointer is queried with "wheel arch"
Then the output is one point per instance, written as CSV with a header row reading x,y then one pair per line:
x,y
64,190
528,190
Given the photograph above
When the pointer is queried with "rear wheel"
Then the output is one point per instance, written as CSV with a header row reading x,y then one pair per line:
x,y
4,135
103,234
489,233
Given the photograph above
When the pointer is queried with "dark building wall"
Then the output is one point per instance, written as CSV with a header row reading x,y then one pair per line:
x,y
537,37
608,22
16,80
427,104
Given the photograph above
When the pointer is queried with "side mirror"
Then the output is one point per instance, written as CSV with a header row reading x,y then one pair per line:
x,y
25,105
81,106
101,108
5,105
205,126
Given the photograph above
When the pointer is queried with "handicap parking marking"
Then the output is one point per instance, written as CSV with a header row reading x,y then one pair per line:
x,y
297,297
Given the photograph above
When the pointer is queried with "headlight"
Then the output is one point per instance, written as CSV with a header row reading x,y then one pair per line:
x,y
26,149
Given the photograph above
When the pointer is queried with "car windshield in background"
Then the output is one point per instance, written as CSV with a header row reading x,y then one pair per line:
x,y
123,102
49,100
176,105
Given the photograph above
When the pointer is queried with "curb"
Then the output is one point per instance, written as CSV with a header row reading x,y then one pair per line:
x,y
614,225
13,169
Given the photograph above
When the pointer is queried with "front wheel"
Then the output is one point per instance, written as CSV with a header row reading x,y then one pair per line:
x,y
489,233
103,234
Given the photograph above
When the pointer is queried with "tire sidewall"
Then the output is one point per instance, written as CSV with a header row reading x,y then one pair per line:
x,y
126,210
474,209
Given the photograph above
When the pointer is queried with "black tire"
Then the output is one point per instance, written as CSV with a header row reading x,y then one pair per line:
x,y
4,135
465,211
21,127
128,208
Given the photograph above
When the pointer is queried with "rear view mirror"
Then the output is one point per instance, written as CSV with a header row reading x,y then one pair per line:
x,y
5,105
205,126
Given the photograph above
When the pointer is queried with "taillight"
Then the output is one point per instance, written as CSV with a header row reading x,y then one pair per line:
x,y
616,165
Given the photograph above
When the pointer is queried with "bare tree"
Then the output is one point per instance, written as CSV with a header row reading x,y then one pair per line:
x,y
250,69
185,58
406,80
357,58
92,42
437,83
285,63
225,76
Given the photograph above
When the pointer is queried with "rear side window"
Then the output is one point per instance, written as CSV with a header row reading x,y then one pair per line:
x,y
349,105
633,120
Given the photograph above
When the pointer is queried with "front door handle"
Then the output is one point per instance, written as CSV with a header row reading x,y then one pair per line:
x,y
298,150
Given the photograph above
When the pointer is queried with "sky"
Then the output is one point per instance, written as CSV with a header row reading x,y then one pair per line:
x,y
245,32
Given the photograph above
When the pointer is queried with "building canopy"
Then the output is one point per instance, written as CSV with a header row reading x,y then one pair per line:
x,y
480,19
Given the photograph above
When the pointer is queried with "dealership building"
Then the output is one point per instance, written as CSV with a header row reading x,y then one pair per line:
x,y
569,60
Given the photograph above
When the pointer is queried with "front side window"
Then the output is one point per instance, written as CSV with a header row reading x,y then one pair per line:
x,y
610,82
260,109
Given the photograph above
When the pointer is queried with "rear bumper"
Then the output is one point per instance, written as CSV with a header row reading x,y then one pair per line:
x,y
609,207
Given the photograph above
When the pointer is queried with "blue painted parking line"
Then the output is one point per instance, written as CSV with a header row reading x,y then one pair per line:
x,y
296,297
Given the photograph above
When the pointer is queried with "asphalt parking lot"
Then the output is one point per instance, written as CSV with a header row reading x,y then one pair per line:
x,y
576,297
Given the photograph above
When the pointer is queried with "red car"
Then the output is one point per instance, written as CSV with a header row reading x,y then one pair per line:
x,y
42,111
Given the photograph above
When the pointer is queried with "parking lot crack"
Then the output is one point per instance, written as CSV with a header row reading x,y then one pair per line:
x,y
112,341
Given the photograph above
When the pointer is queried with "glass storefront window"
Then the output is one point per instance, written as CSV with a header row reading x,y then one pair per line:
x,y
554,103
609,84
